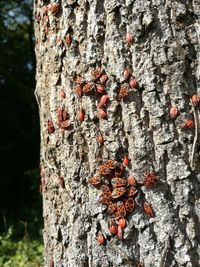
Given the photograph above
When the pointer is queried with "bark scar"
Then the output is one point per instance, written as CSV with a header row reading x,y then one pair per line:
x,y
196,125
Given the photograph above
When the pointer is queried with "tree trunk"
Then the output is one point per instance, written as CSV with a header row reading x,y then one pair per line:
x,y
164,55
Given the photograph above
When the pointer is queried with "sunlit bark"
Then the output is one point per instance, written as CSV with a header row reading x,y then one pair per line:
x,y
164,57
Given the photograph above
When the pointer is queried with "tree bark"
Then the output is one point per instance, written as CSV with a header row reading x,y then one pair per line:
x,y
165,59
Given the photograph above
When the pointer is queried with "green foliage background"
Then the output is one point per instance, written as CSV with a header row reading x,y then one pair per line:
x,y
19,136
22,253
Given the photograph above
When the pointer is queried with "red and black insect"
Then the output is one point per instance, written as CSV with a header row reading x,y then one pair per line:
x,y
104,200
51,263
118,192
81,115
123,91
189,124
62,93
122,223
59,116
79,90
100,238
133,83
60,181
127,73
104,170
100,139
68,39
64,125
103,78
118,182
106,196
148,209
88,87
50,126
121,211
79,80
129,204
119,232
43,180
42,171
100,88
46,29
103,101
40,188
129,38
110,164
102,114
112,207
106,192
64,114
126,160
62,117
96,73
195,100
95,180
54,8
131,191
150,179
131,181
173,112
113,227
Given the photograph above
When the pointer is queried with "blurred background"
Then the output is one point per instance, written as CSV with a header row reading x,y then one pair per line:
x,y
21,204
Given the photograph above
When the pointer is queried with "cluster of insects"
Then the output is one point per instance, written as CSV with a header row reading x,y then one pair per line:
x,y
118,194
62,119
53,8
189,123
97,86
42,15
129,82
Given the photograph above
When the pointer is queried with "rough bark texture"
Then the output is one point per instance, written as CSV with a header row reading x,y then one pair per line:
x,y
165,59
